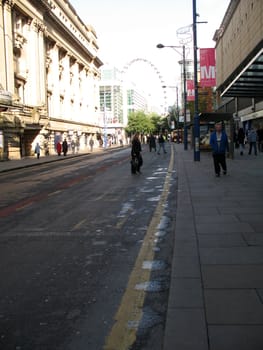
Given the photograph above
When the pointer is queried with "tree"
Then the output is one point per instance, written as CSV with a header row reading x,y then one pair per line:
x,y
205,101
159,123
139,122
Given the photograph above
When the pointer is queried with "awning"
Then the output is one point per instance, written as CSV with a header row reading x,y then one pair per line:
x,y
249,82
214,117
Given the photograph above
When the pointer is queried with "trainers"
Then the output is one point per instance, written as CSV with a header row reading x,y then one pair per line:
x,y
217,175
224,172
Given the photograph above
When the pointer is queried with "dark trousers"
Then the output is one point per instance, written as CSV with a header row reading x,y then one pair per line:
x,y
252,145
219,159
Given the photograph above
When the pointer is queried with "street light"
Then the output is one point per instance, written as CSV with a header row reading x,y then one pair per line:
x,y
105,118
161,46
103,107
196,115
177,108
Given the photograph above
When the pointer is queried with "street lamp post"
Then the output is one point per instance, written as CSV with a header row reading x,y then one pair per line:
x,y
105,120
196,114
104,107
177,109
177,115
185,101
161,46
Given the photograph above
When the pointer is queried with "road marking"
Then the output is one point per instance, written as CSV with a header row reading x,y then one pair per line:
x,y
78,225
24,206
124,331
54,193
121,222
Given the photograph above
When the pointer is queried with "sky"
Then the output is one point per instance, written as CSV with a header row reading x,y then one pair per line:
x,y
129,30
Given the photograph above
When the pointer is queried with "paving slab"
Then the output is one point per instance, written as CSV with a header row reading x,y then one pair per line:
x,y
186,248
187,293
233,306
216,219
222,240
236,337
232,255
232,276
230,227
186,330
186,267
241,209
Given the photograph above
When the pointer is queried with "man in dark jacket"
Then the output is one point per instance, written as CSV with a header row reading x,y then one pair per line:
x,y
161,142
136,154
241,140
65,147
152,143
219,144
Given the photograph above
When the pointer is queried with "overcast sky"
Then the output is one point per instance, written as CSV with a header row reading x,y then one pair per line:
x,y
130,29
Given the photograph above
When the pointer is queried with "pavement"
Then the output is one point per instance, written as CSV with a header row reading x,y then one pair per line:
x,y
216,292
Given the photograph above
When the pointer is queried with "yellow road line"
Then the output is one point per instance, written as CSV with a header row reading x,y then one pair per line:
x,y
121,222
129,314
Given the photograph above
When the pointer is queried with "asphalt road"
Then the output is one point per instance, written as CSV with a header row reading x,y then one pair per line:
x,y
85,253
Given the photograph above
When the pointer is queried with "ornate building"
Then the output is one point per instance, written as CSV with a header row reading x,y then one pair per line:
x,y
49,77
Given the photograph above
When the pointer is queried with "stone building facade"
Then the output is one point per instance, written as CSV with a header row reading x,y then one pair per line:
x,y
239,62
49,77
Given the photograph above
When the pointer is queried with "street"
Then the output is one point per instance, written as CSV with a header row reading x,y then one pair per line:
x,y
85,253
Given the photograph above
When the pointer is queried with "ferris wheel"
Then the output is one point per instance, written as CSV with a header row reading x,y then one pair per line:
x,y
159,86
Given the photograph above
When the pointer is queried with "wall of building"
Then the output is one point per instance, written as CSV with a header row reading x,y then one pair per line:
x,y
50,66
238,40
240,32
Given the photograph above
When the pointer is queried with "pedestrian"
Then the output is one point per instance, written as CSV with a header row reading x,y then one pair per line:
x,y
152,143
77,145
91,144
260,139
73,146
136,156
241,140
37,150
46,148
59,148
252,140
219,144
65,147
161,142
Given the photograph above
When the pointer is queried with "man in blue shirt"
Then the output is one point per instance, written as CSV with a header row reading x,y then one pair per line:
x,y
219,144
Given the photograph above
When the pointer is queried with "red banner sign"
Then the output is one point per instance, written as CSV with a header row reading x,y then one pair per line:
x,y
207,68
190,87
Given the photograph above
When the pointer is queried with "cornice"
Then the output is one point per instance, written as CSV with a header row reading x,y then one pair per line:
x,y
226,20
8,3
39,26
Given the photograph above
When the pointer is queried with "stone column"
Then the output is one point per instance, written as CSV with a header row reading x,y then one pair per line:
x,y
7,51
35,87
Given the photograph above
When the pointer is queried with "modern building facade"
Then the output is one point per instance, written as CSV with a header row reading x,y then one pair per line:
x,y
136,101
49,76
118,98
111,103
239,62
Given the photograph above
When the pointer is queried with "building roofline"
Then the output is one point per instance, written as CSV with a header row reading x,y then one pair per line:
x,y
226,20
